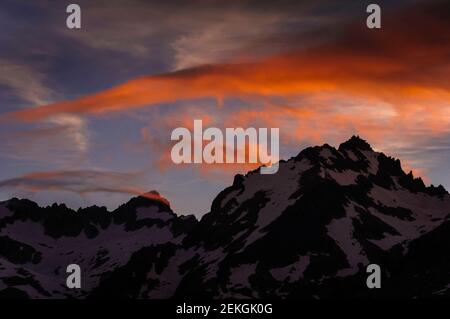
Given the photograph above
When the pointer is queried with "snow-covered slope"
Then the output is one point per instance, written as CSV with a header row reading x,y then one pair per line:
x,y
37,244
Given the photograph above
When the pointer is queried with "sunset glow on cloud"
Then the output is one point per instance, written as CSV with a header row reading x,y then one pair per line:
x,y
391,86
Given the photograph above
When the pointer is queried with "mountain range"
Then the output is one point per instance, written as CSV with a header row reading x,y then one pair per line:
x,y
309,232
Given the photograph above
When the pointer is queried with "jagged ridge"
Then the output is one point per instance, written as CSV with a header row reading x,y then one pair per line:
x,y
307,231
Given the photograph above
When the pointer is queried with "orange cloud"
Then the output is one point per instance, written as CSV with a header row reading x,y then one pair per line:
x,y
405,64
377,83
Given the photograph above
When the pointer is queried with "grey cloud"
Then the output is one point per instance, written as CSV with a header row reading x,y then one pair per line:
x,y
77,181
26,82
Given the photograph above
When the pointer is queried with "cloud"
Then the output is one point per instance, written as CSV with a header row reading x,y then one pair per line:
x,y
81,182
229,35
60,140
388,84
203,32
29,85
76,129
25,82
396,77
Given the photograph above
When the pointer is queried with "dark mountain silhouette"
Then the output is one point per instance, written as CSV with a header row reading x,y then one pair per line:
x,y
308,231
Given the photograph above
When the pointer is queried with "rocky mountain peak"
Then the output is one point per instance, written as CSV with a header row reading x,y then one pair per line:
x,y
308,230
155,196
355,142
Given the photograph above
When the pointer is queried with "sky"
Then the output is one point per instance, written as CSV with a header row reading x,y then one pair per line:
x,y
86,114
